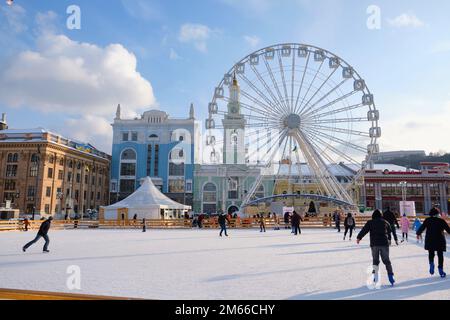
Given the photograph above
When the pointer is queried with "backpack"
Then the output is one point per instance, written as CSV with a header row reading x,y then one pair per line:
x,y
349,221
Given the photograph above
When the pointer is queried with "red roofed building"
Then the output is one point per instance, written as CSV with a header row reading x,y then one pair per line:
x,y
427,187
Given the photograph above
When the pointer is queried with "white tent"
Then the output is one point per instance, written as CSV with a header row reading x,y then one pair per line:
x,y
146,202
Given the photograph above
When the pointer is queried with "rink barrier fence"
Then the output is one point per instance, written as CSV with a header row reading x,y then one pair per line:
x,y
241,223
15,294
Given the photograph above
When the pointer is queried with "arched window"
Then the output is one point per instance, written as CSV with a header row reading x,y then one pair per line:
x,y
128,154
13,157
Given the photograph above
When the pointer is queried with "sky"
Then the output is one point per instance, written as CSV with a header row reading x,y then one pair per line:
x,y
166,54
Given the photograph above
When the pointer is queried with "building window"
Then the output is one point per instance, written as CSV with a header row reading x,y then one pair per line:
x,y
209,192
176,185
124,136
99,181
48,192
156,160
86,179
61,161
60,175
11,170
128,154
149,160
98,196
10,185
78,178
69,176
70,164
127,186
189,186
13,157
77,195
47,209
34,170
134,136
176,170
31,191
233,188
51,159
93,181
50,173
128,169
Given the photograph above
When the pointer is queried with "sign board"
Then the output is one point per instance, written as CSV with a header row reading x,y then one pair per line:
x,y
408,208
288,209
8,204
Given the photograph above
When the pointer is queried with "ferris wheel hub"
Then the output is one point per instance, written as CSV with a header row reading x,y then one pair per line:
x,y
292,121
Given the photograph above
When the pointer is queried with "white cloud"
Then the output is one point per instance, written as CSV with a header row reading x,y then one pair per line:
x,y
46,22
414,131
406,20
173,55
252,41
88,128
14,17
197,34
70,77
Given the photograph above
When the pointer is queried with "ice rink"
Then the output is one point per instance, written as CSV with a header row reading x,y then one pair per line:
x,y
198,264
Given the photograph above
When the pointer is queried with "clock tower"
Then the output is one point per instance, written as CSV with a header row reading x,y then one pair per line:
x,y
234,128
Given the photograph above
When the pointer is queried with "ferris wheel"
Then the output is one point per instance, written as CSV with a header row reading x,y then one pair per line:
x,y
301,106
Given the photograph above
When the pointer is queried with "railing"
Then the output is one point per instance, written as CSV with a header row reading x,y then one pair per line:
x,y
14,294
211,223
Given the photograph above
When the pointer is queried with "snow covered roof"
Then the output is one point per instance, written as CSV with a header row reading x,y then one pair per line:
x,y
148,196
335,169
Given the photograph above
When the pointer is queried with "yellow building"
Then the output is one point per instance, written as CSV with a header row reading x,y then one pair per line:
x,y
47,174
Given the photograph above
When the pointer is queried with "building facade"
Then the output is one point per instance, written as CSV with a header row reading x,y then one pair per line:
x,y
156,146
427,187
47,174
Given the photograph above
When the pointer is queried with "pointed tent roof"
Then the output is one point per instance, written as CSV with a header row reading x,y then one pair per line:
x,y
148,196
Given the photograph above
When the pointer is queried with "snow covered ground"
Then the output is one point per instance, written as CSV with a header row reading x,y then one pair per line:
x,y
197,264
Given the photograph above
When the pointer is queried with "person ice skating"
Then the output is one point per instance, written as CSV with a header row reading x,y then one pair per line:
x,y
200,221
349,224
404,222
389,216
286,220
223,224
380,238
26,223
43,232
435,239
144,227
337,220
296,218
275,219
416,226
262,224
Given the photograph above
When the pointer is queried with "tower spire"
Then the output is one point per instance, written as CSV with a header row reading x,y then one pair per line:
x,y
191,112
118,112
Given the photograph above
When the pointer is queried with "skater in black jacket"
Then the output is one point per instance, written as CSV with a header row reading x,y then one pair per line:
x,y
380,240
296,218
389,216
262,223
435,239
43,232
349,224
223,224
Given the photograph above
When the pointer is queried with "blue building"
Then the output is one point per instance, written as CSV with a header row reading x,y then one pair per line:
x,y
157,146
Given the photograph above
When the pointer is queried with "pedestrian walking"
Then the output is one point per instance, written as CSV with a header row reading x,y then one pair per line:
x,y
389,216
144,227
349,224
275,219
435,240
404,223
380,240
42,233
223,224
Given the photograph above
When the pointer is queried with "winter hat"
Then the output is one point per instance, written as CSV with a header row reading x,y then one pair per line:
x,y
434,212
376,214
404,214
50,218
